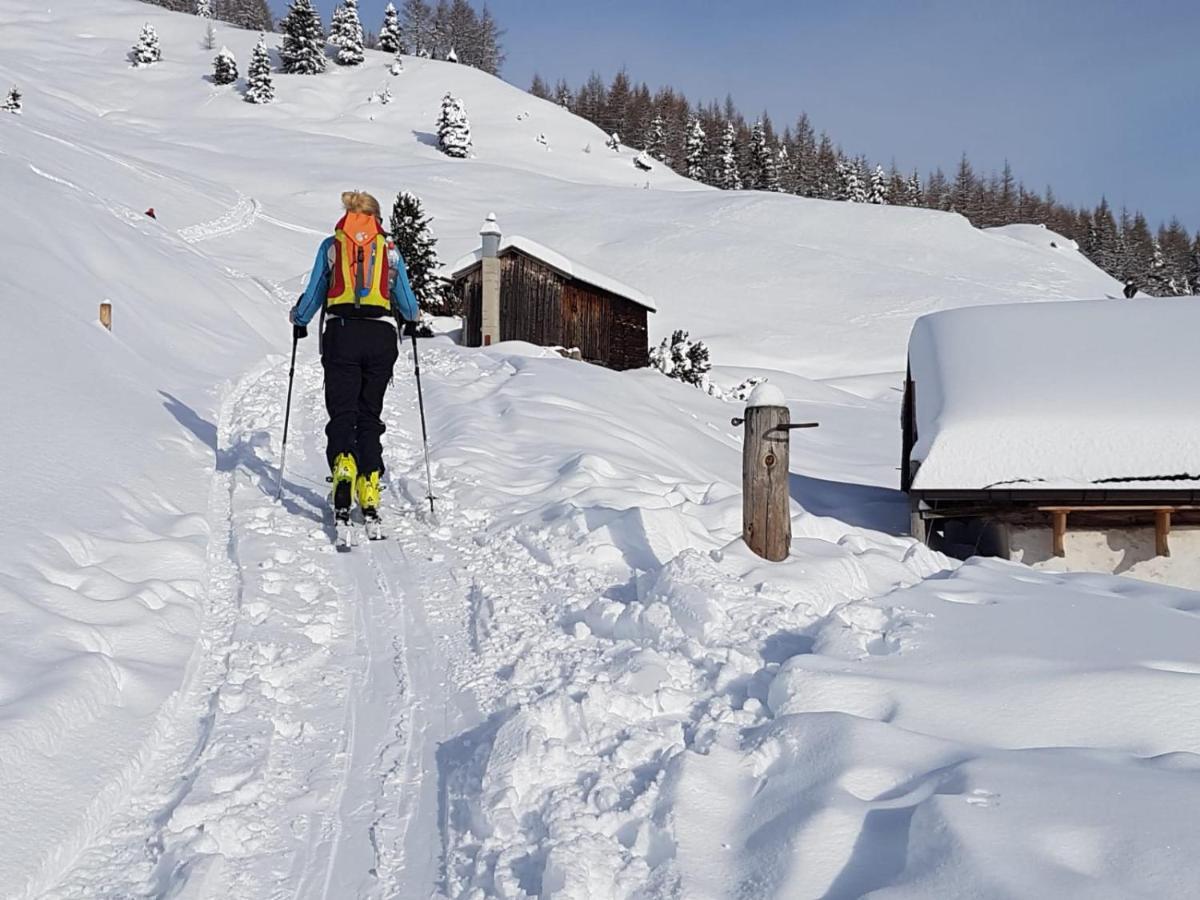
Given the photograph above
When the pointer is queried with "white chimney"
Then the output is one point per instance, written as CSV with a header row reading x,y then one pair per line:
x,y
490,318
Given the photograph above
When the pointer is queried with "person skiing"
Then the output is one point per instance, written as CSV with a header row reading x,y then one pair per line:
x,y
360,283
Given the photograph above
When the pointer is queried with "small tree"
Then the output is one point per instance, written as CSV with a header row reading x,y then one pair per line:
x,y
12,103
259,88
728,176
879,187
349,34
418,249
225,70
454,129
912,190
204,9
682,359
210,36
655,143
694,150
389,34
146,51
303,47
452,56
614,142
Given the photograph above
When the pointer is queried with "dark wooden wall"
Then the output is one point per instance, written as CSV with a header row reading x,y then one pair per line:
x,y
471,287
542,307
531,301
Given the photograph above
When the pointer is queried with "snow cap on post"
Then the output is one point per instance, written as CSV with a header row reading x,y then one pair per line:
x,y
490,232
766,395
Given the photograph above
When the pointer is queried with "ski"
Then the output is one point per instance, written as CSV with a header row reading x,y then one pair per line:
x,y
373,525
344,539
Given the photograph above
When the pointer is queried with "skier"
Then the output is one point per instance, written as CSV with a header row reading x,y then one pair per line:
x,y
359,281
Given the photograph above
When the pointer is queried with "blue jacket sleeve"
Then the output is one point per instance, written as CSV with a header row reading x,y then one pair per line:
x,y
403,300
318,287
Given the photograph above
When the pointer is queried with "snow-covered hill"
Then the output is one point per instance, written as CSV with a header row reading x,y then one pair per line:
x,y
576,685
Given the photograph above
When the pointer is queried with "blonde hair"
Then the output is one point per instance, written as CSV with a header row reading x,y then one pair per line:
x,y
361,202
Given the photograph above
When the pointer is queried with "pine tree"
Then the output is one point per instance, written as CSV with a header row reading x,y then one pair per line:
x,y
12,102
204,9
695,151
146,51
562,94
417,246
912,190
491,52
453,128
389,33
337,25
452,56
225,70
729,178
613,143
250,14
259,88
877,193
303,48
761,174
1194,267
682,359
850,177
1158,280
538,87
655,143
349,34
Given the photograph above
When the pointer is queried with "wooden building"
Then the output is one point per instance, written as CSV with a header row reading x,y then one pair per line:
x,y
1061,429
516,289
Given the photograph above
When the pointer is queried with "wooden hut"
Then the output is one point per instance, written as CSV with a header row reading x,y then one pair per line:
x,y
1065,429
516,289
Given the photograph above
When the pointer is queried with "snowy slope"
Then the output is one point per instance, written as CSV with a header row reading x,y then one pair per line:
x,y
577,685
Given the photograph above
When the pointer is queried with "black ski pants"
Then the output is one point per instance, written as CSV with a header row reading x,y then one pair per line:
x,y
358,356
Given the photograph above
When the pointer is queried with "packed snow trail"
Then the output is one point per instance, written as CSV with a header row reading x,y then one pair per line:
x,y
298,758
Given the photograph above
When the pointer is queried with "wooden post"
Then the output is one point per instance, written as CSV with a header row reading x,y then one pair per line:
x,y
766,513
106,315
1060,532
1162,529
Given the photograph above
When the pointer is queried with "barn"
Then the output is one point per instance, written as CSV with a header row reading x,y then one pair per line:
x,y
515,289
1064,429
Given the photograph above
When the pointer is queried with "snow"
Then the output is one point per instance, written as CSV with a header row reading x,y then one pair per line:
x,y
576,682
766,395
1058,395
556,261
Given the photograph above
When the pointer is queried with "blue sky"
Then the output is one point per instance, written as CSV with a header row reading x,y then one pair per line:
x,y
1090,96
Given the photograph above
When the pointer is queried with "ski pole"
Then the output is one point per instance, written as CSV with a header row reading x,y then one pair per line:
x,y
287,415
424,434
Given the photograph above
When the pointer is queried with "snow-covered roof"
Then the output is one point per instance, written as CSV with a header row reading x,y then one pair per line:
x,y
1058,395
561,264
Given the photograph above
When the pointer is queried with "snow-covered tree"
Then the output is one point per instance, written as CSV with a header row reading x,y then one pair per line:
x,y
337,25
655,143
1194,268
225,70
452,56
349,34
912,190
303,47
682,359
259,88
204,9
762,175
453,128
850,182
879,187
389,33
146,51
562,94
210,36
12,102
418,248
695,150
727,174
613,143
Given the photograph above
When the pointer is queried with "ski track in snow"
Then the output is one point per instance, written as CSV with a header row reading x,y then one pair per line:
x,y
243,214
297,755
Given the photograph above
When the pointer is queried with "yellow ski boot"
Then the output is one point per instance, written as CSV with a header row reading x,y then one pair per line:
x,y
343,475
367,488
